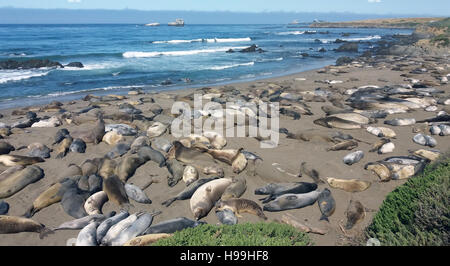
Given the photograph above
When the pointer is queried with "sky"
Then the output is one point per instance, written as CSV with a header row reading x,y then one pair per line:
x,y
429,7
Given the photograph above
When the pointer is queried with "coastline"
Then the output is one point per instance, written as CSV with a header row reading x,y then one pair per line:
x,y
382,70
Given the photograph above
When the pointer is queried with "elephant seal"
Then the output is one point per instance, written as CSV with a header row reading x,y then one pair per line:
x,y
138,143
82,222
427,154
353,157
349,185
11,170
240,206
106,167
236,189
382,170
115,230
87,236
173,225
386,148
344,145
292,201
147,153
190,155
38,150
355,213
78,145
239,163
425,140
45,199
176,170
20,179
4,207
94,135
135,229
14,224
61,135
103,228
73,202
327,204
336,122
127,166
136,194
217,140
115,190
12,160
382,132
189,190
95,183
226,216
190,174
156,130
226,156
312,173
63,147
6,148
275,190
213,170
146,240
94,203
206,196
400,122
112,138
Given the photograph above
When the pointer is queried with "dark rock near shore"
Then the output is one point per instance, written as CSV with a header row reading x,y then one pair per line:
x,y
304,54
75,64
252,49
230,51
322,50
339,41
344,60
348,47
29,64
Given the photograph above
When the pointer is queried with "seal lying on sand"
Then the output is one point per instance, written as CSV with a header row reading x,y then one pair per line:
x,y
226,216
94,135
349,185
45,199
355,213
127,166
239,206
188,191
176,169
63,147
12,160
14,224
173,225
327,204
20,179
146,240
6,148
206,196
275,190
292,201
236,189
104,227
312,173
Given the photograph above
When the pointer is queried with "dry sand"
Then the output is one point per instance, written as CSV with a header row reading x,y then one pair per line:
x,y
289,154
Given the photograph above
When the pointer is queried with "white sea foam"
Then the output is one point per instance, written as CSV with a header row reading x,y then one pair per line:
x,y
218,40
231,66
132,54
17,75
368,38
56,94
272,59
290,33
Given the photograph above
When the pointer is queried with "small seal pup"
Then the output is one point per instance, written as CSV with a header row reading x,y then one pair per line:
x,y
4,207
206,196
172,225
12,160
190,174
20,179
188,191
400,122
355,213
63,147
6,148
14,224
45,199
349,185
353,157
115,189
226,216
425,140
327,204
78,145
344,145
240,206
292,201
61,135
136,194
118,150
38,150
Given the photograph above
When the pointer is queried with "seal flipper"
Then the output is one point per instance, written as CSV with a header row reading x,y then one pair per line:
x,y
30,212
323,217
267,199
169,201
45,232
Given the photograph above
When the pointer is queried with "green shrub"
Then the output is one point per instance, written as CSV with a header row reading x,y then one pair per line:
x,y
418,212
441,40
246,234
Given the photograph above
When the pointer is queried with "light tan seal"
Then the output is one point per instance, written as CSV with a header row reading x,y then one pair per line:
x,y
106,168
236,189
63,147
12,160
14,224
115,190
240,206
146,240
206,196
127,166
45,199
349,185
20,179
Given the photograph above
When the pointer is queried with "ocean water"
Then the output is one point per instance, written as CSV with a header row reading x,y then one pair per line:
x,y
120,57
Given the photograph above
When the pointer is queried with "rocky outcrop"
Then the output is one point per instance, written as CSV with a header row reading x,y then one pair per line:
x,y
351,47
252,49
75,64
344,60
29,64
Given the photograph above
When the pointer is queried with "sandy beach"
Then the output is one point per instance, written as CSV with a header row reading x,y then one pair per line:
x,y
379,71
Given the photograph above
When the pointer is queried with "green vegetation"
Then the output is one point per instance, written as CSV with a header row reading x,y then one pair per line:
x,y
246,234
418,212
441,40
444,23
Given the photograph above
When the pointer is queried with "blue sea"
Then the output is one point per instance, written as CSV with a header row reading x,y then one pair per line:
x,y
117,58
